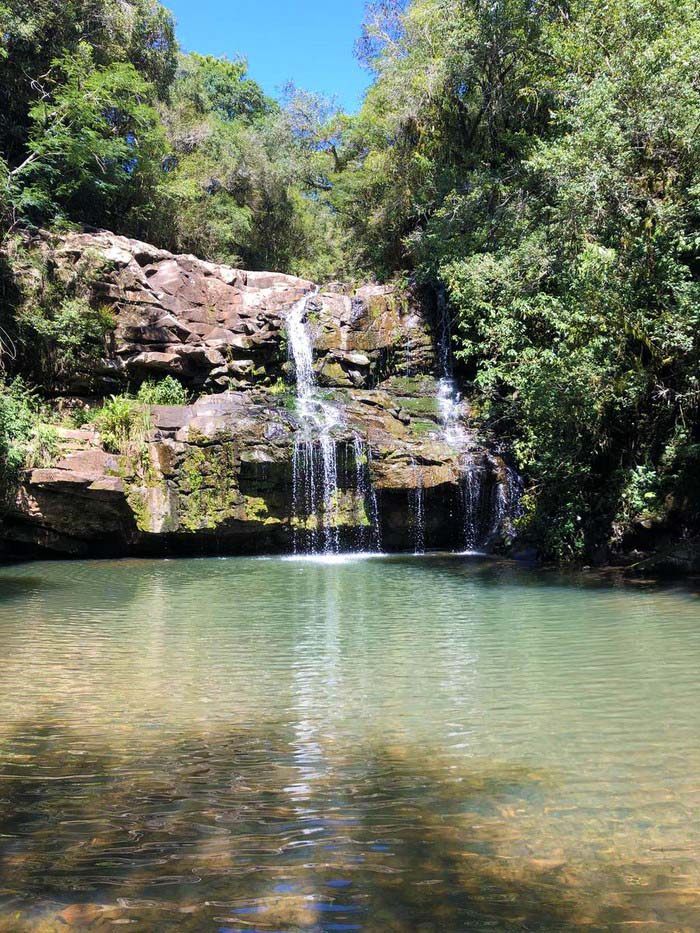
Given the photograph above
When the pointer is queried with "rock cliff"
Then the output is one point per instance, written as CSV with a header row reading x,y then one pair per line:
x,y
222,474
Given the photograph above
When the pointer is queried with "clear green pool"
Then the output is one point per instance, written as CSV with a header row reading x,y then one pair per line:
x,y
387,744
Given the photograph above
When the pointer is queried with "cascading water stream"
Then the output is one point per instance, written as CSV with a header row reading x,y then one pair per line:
x,y
488,507
507,503
448,397
367,494
417,507
315,474
332,472
472,507
315,466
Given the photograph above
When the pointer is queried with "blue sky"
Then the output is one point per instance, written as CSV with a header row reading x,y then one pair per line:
x,y
309,42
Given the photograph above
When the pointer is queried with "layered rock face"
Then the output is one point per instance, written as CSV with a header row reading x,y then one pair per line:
x,y
218,328
244,469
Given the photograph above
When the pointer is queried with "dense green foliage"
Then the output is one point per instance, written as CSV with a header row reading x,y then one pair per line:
x,y
16,426
124,420
36,34
25,440
538,162
104,122
238,187
541,163
95,145
119,420
168,391
48,322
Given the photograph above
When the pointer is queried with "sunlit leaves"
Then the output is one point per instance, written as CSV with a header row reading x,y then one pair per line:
x,y
95,145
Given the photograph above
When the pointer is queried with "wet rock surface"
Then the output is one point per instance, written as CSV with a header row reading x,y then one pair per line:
x,y
217,475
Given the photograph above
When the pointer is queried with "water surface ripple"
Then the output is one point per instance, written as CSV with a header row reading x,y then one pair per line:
x,y
384,744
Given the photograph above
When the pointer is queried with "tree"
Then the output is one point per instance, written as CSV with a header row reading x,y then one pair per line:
x,y
539,162
451,112
209,85
579,313
35,33
95,146
152,47
245,176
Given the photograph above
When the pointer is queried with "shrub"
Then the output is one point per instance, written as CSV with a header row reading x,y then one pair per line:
x,y
80,417
68,333
167,391
279,387
25,439
121,421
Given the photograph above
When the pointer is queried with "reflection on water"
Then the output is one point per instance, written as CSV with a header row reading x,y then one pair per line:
x,y
398,744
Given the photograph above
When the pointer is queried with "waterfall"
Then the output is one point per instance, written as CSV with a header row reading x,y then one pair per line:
x,y
472,507
366,494
302,353
332,492
315,466
506,505
416,498
316,488
315,495
489,507
448,397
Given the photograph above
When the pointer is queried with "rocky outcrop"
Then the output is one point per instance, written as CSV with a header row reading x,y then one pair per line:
x,y
217,328
219,474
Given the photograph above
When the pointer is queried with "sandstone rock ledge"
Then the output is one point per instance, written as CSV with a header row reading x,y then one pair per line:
x,y
218,475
